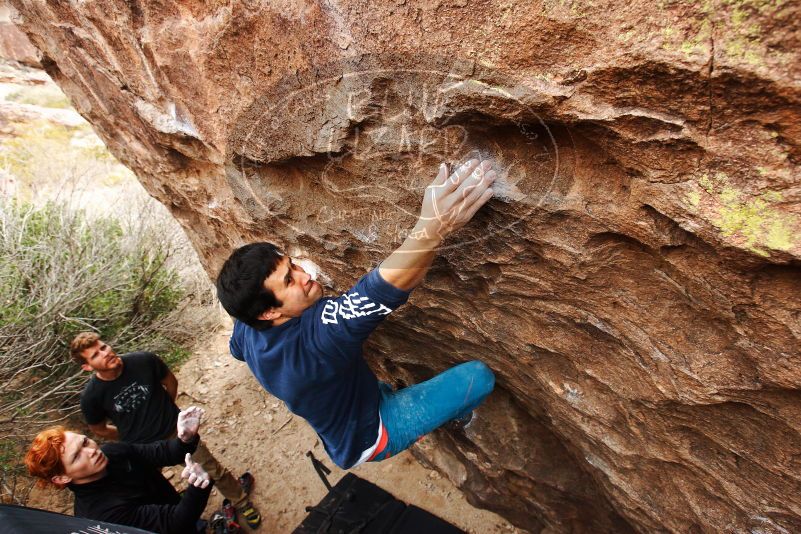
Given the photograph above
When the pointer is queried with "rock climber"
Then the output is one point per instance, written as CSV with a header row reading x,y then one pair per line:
x,y
120,482
307,350
136,393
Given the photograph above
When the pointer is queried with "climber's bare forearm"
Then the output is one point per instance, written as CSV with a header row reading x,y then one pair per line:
x,y
407,266
449,203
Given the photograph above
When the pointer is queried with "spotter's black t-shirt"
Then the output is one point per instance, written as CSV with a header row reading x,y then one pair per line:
x,y
135,401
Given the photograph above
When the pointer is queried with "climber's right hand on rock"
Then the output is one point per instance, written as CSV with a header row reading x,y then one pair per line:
x,y
452,200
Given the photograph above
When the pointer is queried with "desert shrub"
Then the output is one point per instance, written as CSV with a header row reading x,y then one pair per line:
x,y
14,483
56,161
82,247
65,270
47,96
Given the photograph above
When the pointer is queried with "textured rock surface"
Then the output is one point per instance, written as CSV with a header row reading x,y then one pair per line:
x,y
14,44
635,285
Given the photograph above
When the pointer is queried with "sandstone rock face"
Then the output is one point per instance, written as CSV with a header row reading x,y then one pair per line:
x,y
635,282
14,45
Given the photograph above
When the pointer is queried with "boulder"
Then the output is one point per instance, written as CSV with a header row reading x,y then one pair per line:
x,y
14,44
635,282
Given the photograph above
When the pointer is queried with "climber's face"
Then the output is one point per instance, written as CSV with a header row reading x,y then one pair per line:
x,y
294,289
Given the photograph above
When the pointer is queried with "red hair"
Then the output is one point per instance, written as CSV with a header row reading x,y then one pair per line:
x,y
43,458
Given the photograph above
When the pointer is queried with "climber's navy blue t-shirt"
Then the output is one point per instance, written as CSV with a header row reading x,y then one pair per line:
x,y
314,364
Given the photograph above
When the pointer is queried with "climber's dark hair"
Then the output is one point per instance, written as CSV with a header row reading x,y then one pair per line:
x,y
240,284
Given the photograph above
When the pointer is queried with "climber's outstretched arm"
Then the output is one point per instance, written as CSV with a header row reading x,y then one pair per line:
x,y
449,203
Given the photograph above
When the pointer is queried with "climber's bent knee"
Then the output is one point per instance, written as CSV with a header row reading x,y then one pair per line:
x,y
419,409
484,378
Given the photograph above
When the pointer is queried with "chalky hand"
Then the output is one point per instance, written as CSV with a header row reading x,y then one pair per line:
x,y
189,422
451,200
194,473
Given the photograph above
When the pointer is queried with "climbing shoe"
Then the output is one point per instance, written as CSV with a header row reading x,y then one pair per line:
x,y
218,524
251,516
246,482
229,511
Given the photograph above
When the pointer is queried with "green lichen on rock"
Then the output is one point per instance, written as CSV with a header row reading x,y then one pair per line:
x,y
734,26
706,183
699,42
742,36
753,220
694,199
626,36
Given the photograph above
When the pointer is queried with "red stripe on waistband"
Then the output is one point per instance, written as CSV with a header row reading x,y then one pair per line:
x,y
382,443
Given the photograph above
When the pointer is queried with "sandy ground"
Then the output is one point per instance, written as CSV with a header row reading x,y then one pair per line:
x,y
246,428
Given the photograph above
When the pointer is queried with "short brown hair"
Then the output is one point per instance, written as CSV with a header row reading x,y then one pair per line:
x,y
43,459
82,341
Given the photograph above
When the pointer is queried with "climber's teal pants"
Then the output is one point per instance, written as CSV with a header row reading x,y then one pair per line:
x,y
412,412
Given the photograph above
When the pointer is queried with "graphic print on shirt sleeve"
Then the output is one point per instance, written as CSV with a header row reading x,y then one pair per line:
x,y
130,397
351,306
